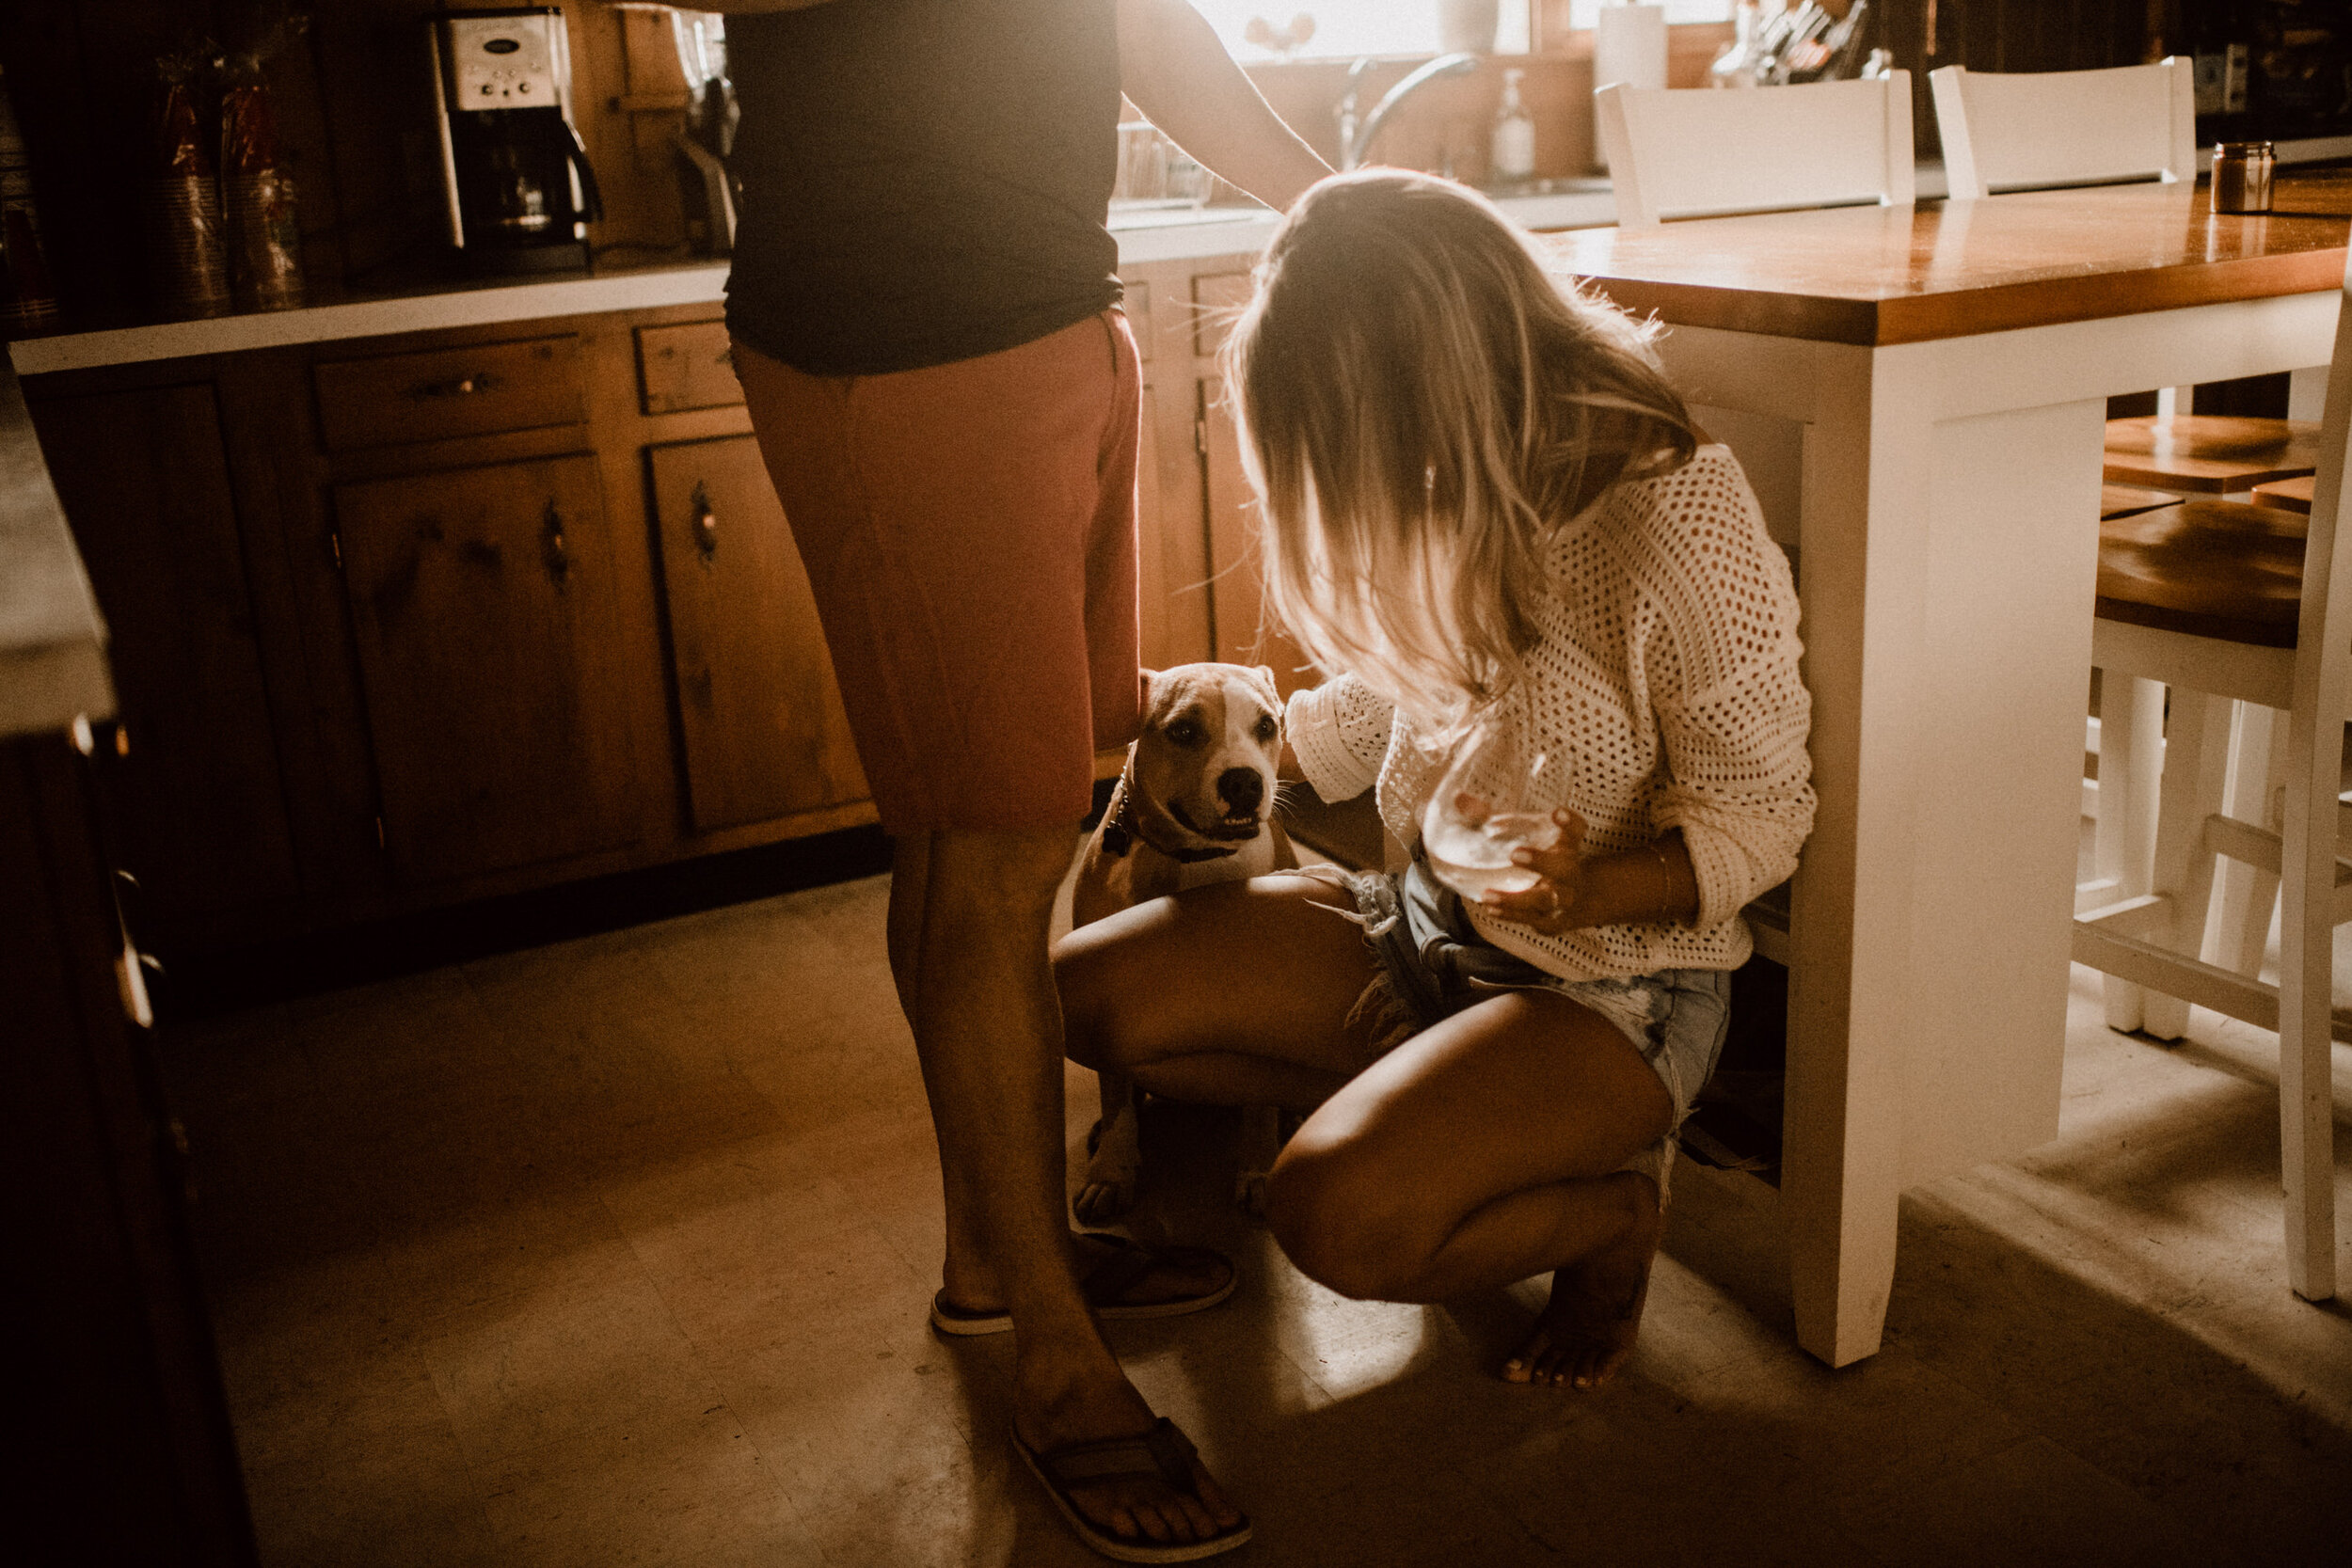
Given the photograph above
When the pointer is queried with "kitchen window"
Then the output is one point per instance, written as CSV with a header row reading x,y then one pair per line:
x,y
1345,28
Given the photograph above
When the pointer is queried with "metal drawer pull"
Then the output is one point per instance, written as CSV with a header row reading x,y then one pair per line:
x,y
467,385
559,553
706,523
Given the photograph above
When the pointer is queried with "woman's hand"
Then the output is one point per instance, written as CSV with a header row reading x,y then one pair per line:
x,y
1550,905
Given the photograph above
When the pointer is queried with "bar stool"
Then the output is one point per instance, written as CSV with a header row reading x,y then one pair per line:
x,y
1682,153
2121,500
2288,495
2043,130
2021,131
2225,602
2208,454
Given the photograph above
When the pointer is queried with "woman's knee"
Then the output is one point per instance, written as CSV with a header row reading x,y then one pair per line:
x,y
1107,1020
1087,1018
1337,1216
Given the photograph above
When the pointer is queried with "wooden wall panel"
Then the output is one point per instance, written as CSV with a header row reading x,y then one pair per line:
x,y
144,479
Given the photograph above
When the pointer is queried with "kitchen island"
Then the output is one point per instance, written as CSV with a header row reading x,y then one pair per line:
x,y
1921,394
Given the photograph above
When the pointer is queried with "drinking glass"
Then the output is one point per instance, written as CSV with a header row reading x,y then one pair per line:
x,y
1484,809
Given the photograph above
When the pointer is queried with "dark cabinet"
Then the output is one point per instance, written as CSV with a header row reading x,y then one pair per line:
x,y
123,1453
485,616
421,619
197,799
760,717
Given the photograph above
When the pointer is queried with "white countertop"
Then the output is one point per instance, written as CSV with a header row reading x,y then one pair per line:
x,y
371,318
53,640
1143,237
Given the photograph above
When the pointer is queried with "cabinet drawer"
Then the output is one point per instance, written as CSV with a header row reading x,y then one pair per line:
x,y
454,391
687,366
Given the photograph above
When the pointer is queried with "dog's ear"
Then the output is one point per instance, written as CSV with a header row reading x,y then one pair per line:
x,y
1146,681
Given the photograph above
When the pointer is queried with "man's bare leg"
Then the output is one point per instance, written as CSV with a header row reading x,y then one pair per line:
x,y
988,1027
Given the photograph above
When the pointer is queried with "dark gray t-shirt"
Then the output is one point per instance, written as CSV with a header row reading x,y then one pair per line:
x,y
924,181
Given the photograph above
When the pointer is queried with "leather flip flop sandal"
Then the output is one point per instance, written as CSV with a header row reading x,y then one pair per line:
x,y
1103,1284
1164,1451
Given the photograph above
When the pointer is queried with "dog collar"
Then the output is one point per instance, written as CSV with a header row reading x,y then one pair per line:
x,y
1121,832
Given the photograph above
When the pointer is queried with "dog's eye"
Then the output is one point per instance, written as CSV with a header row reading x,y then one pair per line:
x,y
1268,728
1187,732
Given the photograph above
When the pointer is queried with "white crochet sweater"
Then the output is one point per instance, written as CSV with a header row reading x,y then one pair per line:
x,y
1662,693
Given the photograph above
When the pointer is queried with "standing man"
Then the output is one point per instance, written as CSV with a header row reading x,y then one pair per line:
x,y
924,309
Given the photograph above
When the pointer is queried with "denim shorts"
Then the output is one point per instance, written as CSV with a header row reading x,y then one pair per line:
x,y
1436,964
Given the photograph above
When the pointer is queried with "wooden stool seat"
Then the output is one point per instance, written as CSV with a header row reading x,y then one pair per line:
x,y
2216,569
2208,454
2121,500
2291,495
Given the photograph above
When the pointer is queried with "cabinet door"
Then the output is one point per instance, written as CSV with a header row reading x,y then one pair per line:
x,y
484,611
196,808
762,720
1157,641
1237,598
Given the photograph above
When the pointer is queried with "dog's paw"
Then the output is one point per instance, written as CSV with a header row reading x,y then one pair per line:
x,y
1102,1202
1250,1193
1114,1174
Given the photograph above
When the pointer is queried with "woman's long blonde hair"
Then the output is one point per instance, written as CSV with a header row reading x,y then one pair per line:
x,y
1423,407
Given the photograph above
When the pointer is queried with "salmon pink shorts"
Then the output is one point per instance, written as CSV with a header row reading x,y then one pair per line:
x,y
969,532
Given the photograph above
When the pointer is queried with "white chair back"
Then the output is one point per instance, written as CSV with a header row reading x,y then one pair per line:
x,y
1698,153
2032,131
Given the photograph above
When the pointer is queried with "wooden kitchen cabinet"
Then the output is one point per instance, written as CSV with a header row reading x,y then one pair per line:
x,y
686,366
125,1452
1201,572
406,621
484,619
473,390
197,799
760,717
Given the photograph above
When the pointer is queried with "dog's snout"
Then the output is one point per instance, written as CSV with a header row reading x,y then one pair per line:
x,y
1241,789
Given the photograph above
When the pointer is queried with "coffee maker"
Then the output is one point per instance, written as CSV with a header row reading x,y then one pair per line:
x,y
517,189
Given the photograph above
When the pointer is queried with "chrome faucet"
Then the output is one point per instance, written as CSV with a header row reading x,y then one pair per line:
x,y
1356,139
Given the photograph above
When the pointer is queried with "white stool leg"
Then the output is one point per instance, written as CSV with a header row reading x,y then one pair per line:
x,y
2307,820
2131,757
2260,799
2196,767
2233,888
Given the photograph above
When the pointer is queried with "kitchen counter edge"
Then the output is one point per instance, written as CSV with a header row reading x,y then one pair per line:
x,y
53,640
696,283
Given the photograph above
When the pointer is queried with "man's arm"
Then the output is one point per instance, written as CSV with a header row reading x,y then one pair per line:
x,y
1172,66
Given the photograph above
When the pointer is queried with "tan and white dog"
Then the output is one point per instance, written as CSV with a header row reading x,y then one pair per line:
x,y
1194,805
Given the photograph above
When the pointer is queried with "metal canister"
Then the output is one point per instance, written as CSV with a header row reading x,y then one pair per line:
x,y
2241,176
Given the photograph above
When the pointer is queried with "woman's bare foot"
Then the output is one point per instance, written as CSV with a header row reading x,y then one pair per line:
x,y
1587,1330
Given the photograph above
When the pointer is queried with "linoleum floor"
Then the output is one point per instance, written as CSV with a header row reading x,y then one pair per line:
x,y
616,1252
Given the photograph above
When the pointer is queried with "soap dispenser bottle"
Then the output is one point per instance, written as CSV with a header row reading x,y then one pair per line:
x,y
1514,152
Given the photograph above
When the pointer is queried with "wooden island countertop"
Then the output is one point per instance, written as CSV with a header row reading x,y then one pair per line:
x,y
1879,276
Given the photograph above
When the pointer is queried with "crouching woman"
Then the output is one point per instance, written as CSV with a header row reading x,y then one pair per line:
x,y
1491,518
